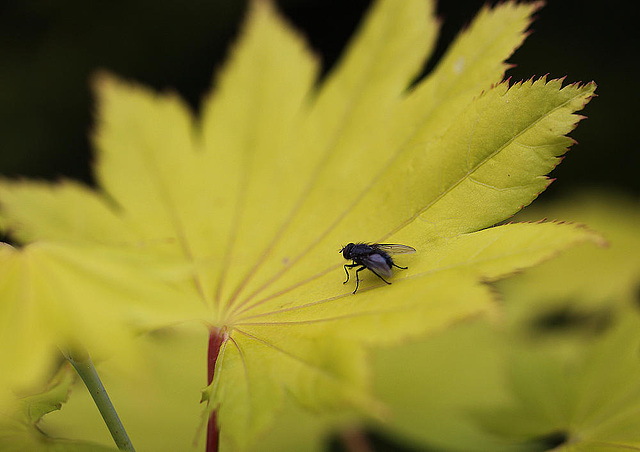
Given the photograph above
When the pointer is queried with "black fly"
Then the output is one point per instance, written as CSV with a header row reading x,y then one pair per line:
x,y
374,256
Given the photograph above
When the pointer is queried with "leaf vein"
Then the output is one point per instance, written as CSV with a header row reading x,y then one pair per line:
x,y
295,358
331,144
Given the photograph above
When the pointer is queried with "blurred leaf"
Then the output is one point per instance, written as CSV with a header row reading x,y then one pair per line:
x,y
579,378
19,430
68,210
593,399
584,279
56,295
434,388
52,398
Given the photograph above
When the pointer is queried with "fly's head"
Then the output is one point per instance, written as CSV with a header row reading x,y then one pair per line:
x,y
346,251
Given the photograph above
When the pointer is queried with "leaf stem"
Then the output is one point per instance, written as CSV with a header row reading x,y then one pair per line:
x,y
355,440
81,361
216,339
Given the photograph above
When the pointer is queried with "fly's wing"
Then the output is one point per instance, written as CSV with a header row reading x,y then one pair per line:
x,y
377,264
393,248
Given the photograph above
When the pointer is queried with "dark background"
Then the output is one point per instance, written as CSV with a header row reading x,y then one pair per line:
x,y
50,48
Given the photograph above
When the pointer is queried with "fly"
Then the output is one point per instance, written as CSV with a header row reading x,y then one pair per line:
x,y
374,256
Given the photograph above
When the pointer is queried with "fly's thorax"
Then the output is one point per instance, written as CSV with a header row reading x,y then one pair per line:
x,y
361,250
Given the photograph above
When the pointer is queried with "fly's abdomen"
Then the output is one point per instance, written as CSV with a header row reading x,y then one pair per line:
x,y
379,263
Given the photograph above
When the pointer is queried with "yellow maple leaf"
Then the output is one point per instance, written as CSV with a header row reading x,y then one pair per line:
x,y
257,196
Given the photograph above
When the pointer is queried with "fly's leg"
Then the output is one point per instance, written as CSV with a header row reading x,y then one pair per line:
x,y
347,271
358,277
381,277
397,266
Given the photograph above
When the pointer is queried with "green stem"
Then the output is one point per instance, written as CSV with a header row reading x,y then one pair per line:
x,y
85,368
